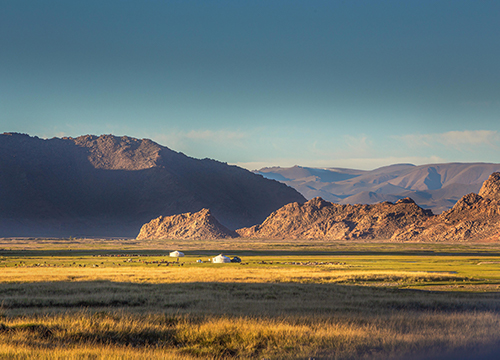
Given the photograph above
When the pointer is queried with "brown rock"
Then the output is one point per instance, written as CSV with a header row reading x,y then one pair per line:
x,y
200,225
119,153
320,219
491,187
473,218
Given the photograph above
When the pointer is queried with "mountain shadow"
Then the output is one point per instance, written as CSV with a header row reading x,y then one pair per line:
x,y
111,186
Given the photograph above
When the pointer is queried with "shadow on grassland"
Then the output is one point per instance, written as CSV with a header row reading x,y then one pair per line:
x,y
237,299
252,320
303,250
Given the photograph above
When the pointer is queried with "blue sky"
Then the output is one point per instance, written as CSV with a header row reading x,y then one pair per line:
x,y
353,83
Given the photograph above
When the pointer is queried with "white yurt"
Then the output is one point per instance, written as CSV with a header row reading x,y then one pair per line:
x,y
176,254
221,259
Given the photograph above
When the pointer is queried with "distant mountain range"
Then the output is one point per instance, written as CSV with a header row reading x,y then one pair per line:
x,y
436,186
111,186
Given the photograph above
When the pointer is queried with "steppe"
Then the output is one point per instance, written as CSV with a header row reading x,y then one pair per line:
x,y
318,280
292,299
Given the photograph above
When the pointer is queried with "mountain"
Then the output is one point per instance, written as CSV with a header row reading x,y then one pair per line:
x,y
474,217
437,186
320,219
111,186
200,225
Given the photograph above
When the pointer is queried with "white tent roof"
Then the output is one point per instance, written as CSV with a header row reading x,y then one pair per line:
x,y
176,254
221,259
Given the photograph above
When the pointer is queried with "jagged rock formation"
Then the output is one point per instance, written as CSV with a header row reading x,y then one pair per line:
x,y
475,217
110,186
491,187
320,219
200,225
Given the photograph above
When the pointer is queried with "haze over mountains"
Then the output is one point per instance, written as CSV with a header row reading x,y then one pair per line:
x,y
111,186
437,186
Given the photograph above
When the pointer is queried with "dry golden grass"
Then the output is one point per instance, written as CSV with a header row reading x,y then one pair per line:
x,y
139,311
118,335
226,273
240,320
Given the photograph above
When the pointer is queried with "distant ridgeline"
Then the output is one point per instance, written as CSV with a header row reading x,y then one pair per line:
x,y
475,217
114,186
437,186
110,186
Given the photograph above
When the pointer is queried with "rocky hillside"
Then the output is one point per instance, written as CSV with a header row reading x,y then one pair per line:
x,y
437,186
111,186
475,217
320,219
200,225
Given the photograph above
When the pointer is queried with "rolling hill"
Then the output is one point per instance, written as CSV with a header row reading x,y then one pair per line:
x,y
111,186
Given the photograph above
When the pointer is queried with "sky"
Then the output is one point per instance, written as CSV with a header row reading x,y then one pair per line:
x,y
356,84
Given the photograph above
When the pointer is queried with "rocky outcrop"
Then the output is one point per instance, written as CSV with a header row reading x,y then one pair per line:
x,y
119,153
491,187
320,219
475,217
200,225
110,186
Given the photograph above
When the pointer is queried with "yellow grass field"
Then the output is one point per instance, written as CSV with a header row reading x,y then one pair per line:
x,y
286,301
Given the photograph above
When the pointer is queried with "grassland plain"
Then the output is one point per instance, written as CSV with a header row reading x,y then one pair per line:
x,y
117,299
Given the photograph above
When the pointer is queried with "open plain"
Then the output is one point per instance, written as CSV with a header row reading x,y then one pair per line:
x,y
84,298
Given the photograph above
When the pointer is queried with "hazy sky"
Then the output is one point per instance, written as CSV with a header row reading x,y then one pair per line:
x,y
258,83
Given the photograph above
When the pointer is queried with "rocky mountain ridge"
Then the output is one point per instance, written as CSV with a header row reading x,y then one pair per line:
x,y
320,219
110,186
475,217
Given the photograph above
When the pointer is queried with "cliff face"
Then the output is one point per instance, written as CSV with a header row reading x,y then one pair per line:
x,y
475,217
320,219
200,225
110,186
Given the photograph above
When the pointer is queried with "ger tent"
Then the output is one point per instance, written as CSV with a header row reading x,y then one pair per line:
x,y
176,254
221,259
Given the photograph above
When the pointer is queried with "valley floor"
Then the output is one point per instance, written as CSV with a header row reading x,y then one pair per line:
x,y
115,299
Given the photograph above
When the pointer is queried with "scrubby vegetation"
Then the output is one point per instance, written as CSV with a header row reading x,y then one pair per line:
x,y
364,303
119,334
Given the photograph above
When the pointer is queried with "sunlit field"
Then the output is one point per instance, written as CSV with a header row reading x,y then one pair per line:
x,y
90,299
